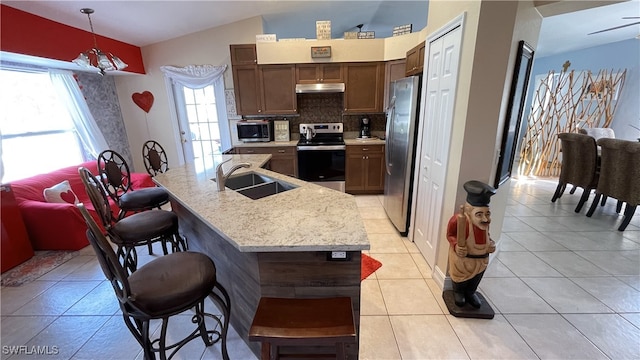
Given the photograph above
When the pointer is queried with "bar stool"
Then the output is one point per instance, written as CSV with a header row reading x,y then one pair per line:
x,y
116,180
303,323
169,285
137,229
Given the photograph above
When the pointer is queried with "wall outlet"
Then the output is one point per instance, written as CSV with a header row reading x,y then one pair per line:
x,y
337,256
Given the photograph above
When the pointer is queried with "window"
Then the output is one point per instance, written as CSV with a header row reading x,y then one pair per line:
x,y
202,117
37,132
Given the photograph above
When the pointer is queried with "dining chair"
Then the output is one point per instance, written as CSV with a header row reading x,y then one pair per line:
x,y
143,228
154,157
164,287
579,165
116,178
619,174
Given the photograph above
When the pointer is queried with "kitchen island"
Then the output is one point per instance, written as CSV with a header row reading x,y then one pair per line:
x,y
279,245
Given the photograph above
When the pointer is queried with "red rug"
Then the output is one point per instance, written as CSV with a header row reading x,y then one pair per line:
x,y
41,263
369,266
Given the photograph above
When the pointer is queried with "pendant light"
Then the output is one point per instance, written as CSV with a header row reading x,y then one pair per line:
x,y
96,58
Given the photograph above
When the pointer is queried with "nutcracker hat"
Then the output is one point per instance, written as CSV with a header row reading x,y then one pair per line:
x,y
478,193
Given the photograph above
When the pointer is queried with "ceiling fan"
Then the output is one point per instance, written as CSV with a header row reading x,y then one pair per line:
x,y
620,26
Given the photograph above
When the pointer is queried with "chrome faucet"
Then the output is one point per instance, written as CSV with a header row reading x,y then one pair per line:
x,y
221,177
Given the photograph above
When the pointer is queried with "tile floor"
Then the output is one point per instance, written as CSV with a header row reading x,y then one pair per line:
x,y
563,286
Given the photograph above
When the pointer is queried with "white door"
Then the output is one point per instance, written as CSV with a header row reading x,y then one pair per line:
x,y
202,120
439,88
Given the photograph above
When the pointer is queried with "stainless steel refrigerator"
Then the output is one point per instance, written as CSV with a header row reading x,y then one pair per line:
x,y
400,149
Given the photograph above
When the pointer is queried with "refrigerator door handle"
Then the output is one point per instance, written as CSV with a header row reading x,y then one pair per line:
x,y
387,149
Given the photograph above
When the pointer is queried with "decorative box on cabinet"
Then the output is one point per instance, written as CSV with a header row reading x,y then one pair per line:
x,y
284,159
364,172
16,247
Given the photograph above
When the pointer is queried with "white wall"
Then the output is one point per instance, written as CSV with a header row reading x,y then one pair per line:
x,y
206,47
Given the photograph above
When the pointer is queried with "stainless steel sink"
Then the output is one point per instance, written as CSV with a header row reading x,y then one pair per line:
x,y
266,189
256,186
245,180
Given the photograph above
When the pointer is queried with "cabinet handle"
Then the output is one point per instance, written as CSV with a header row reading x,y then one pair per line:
x,y
365,149
281,151
250,151
259,110
321,80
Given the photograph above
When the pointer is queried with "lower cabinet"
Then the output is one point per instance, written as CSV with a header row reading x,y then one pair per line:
x,y
284,159
364,172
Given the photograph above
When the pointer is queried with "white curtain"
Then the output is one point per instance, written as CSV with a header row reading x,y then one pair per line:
x,y
69,93
198,77
194,76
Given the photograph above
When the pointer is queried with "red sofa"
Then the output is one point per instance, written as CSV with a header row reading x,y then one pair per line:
x,y
60,226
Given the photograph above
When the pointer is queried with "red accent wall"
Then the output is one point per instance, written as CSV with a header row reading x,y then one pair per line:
x,y
28,34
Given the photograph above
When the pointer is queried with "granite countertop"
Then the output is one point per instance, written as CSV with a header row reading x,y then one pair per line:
x,y
372,141
307,218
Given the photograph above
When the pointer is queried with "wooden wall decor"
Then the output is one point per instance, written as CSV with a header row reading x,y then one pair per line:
x,y
565,102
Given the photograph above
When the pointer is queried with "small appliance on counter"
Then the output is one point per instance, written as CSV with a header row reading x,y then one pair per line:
x,y
281,129
256,130
365,128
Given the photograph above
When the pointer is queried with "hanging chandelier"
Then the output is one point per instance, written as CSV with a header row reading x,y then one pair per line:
x,y
96,58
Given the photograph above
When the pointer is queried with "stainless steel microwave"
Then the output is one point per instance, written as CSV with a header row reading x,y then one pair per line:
x,y
255,130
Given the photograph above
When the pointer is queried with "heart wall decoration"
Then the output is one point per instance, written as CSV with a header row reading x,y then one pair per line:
x,y
144,100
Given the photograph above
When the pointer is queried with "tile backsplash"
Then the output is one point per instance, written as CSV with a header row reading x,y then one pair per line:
x,y
328,107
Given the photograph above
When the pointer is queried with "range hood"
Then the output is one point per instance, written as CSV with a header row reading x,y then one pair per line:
x,y
319,88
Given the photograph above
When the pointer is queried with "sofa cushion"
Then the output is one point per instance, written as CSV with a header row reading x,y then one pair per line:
x,y
60,193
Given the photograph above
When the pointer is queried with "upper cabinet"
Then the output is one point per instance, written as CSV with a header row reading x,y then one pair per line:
x,y
415,60
394,70
364,87
278,84
244,54
319,73
262,89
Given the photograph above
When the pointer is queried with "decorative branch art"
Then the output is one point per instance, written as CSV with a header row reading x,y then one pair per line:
x,y
566,102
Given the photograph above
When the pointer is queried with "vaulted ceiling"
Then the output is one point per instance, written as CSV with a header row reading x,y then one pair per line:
x,y
146,22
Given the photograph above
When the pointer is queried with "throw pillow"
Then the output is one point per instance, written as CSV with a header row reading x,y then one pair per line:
x,y
60,193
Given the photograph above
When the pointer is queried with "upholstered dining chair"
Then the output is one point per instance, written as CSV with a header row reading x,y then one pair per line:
x,y
116,178
619,176
598,133
166,286
143,228
579,165
154,157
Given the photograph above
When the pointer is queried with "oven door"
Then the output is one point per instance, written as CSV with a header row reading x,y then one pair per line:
x,y
323,165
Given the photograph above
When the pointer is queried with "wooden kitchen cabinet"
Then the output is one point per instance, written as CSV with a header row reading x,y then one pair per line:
x,y
364,170
415,60
394,70
319,73
284,159
364,87
265,89
243,54
246,86
278,89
